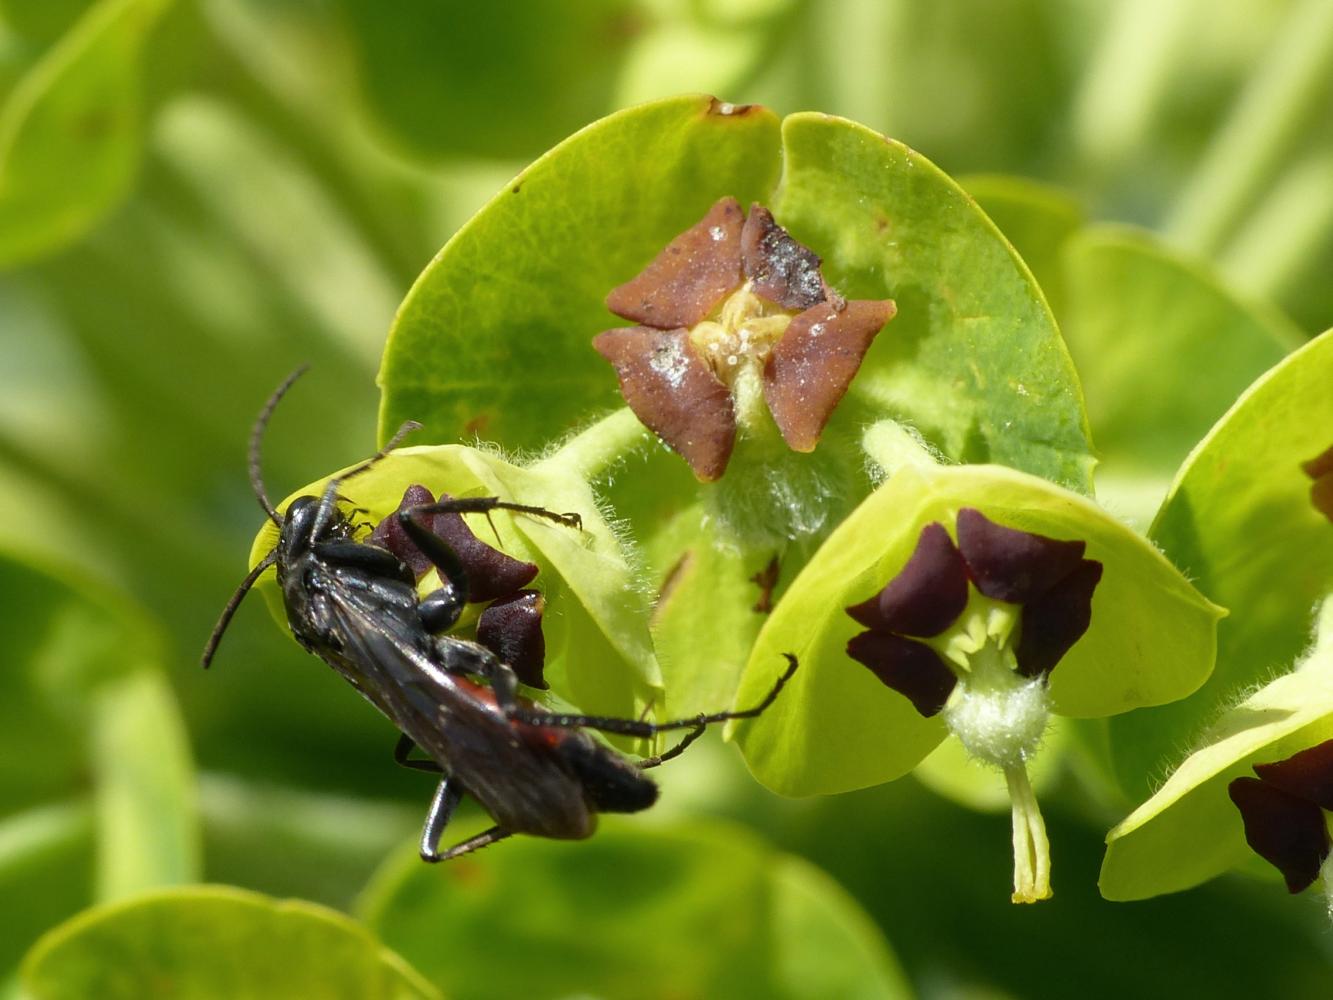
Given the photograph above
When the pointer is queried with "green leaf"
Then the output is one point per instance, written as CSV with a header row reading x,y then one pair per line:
x,y
1144,324
41,23
291,840
46,860
1036,219
599,654
703,910
214,941
83,696
144,794
1190,831
836,728
1239,522
470,80
70,131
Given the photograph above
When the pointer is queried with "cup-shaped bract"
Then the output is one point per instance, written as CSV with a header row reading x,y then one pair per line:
x,y
1150,639
1192,829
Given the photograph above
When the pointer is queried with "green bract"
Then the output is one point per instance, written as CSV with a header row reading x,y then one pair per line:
x,y
729,917
598,651
1190,831
1037,220
495,340
212,941
1239,521
973,358
69,131
1151,639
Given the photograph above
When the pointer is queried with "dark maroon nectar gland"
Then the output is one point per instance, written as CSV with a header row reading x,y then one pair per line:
x,y
973,630
735,319
1283,811
511,626
1320,469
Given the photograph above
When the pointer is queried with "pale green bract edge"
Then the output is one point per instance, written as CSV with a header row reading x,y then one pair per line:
x,y
837,728
596,617
215,941
753,921
69,131
1165,348
1037,219
1239,522
1190,831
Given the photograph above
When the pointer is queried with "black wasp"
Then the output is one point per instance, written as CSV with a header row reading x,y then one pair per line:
x,y
355,605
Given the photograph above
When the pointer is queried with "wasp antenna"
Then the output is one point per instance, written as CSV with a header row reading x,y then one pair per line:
x,y
256,439
224,619
331,495
407,428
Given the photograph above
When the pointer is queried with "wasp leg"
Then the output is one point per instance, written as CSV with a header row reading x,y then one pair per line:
x,y
328,500
484,505
441,609
675,751
461,656
370,559
644,730
403,748
447,797
484,839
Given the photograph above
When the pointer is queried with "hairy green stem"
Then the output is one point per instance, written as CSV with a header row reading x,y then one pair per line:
x,y
595,449
891,446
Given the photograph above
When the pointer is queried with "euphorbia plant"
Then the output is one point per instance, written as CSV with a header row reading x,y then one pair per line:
x,y
760,358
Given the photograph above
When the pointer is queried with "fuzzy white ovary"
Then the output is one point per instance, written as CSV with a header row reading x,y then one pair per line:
x,y
997,714
1000,717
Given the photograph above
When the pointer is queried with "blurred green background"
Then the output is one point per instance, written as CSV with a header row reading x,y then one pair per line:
x,y
197,196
